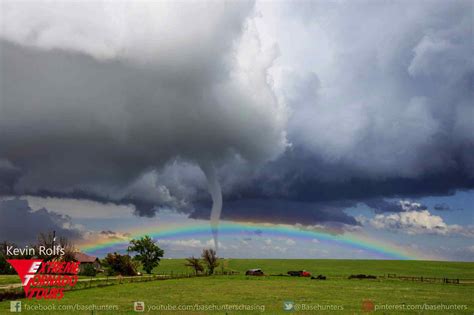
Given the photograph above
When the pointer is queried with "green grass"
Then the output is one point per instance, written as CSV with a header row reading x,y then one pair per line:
x,y
332,267
337,267
13,279
8,279
328,267
271,291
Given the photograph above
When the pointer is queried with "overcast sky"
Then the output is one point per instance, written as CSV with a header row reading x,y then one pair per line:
x,y
346,115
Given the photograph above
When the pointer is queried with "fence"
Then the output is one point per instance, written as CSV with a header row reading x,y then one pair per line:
x,y
431,279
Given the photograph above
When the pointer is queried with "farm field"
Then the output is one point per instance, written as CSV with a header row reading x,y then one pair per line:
x,y
328,267
269,292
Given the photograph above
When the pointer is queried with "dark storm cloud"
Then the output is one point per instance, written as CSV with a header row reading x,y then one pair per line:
x,y
376,100
298,179
8,175
85,121
20,225
380,205
281,211
53,120
299,176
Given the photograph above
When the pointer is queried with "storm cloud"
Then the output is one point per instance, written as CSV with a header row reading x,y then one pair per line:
x,y
22,225
80,113
305,110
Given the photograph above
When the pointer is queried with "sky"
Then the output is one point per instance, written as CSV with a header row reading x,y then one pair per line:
x,y
318,129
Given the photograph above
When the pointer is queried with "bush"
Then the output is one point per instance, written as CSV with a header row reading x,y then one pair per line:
x,y
117,264
5,267
361,276
11,295
89,271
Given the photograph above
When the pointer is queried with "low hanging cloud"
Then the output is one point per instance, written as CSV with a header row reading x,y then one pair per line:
x,y
21,225
109,234
417,222
380,205
280,211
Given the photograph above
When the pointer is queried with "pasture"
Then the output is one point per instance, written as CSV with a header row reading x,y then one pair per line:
x,y
270,292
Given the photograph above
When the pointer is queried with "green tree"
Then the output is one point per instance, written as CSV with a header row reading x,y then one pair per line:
x,y
5,267
194,263
148,253
210,259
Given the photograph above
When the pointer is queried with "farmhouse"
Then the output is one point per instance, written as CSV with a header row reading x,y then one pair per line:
x,y
85,260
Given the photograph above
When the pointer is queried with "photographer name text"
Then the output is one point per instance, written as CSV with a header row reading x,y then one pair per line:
x,y
33,251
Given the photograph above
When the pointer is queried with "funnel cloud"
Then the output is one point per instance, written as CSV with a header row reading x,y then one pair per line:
x,y
216,194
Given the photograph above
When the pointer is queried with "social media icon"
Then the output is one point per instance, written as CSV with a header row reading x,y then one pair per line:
x,y
368,306
15,306
288,306
139,306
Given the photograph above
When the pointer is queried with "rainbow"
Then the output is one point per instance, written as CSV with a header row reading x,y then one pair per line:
x,y
372,247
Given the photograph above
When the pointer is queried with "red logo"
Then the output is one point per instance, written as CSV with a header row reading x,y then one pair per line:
x,y
368,306
45,280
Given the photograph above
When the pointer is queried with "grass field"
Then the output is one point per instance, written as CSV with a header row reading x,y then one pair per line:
x,y
271,291
338,267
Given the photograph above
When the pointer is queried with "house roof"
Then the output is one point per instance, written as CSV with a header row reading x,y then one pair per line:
x,y
84,258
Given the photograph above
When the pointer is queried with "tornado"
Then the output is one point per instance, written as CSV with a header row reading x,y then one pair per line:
x,y
216,195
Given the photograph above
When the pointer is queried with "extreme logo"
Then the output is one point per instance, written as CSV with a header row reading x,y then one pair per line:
x,y
45,280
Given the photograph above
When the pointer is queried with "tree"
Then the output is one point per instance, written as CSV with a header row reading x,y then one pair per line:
x,y
117,264
69,249
148,253
210,259
89,270
5,267
194,263
48,240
